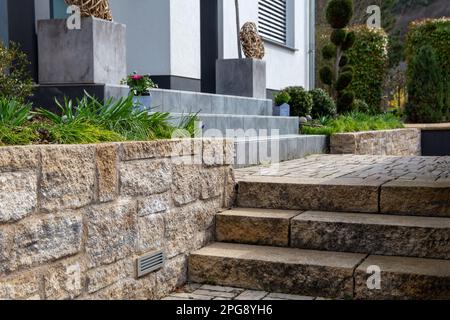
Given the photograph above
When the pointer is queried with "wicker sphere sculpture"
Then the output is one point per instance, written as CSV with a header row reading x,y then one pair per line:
x,y
92,8
252,42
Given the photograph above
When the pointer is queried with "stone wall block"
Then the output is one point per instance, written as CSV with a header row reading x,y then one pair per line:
x,y
107,174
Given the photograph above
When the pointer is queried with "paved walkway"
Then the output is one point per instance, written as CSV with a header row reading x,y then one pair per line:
x,y
207,292
382,168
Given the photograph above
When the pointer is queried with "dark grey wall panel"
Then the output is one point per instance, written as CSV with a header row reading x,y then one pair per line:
x,y
436,143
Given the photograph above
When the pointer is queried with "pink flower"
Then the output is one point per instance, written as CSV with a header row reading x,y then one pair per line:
x,y
136,77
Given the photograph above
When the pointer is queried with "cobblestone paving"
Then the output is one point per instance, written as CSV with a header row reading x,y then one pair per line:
x,y
195,291
430,169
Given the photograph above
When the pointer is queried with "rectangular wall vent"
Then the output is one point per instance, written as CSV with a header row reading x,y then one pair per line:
x,y
149,263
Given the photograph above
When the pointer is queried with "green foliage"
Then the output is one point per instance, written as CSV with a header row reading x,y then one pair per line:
x,y
349,41
344,80
15,79
425,87
17,135
301,101
369,59
338,36
328,51
326,75
360,106
339,13
13,113
435,33
323,104
353,122
140,85
344,61
348,68
345,101
281,98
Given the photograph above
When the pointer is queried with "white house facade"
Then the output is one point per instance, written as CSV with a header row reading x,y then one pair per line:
x,y
178,41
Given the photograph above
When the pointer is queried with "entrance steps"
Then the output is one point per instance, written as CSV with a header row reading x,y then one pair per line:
x,y
334,238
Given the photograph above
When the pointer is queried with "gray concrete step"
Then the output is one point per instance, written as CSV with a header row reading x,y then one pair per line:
x,y
193,102
252,151
283,270
233,125
320,273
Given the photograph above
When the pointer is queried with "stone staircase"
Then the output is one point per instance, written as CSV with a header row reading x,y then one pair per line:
x,y
327,238
250,121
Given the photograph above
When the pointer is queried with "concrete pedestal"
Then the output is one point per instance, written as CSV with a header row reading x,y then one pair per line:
x,y
241,77
94,54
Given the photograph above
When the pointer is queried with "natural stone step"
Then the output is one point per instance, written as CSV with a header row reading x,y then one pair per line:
x,y
283,270
372,233
422,198
346,195
255,226
404,278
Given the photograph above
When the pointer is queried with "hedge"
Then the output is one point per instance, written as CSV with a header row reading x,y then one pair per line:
x,y
436,33
369,58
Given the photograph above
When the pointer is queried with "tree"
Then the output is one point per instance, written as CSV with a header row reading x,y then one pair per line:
x,y
425,87
339,75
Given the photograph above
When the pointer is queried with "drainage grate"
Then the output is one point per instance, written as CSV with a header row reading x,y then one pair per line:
x,y
149,263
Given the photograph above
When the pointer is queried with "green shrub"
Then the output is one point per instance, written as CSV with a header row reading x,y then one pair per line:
x,y
301,101
338,14
436,33
425,87
15,79
369,59
353,122
323,105
281,98
360,106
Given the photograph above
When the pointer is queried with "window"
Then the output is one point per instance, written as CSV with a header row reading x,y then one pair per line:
x,y
272,15
58,9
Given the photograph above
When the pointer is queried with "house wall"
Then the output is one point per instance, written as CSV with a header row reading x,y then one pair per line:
x,y
3,21
286,65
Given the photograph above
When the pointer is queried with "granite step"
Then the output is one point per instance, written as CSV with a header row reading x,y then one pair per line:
x,y
423,237
399,197
404,278
320,273
273,192
255,226
274,269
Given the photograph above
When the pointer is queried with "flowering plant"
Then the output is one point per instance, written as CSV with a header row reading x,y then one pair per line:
x,y
140,85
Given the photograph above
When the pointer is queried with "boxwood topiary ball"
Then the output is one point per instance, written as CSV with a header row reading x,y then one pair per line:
x,y
339,13
338,36
344,61
349,41
326,75
344,80
345,101
328,52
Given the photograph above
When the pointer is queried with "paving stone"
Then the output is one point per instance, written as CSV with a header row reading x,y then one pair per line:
x,y
274,269
372,233
288,296
221,288
191,296
212,293
251,295
254,226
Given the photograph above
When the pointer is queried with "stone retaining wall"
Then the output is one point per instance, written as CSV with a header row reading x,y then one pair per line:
x,y
73,219
400,142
